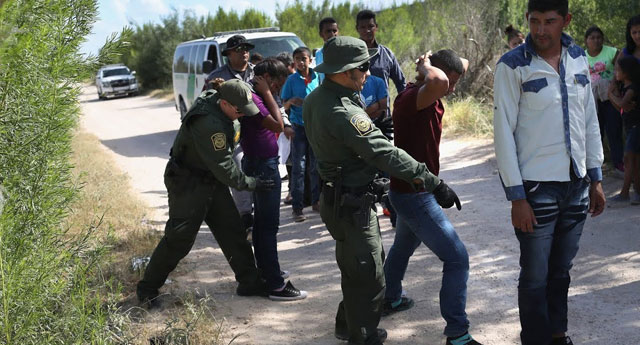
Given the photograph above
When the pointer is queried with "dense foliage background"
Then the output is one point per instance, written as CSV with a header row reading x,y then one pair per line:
x,y
472,28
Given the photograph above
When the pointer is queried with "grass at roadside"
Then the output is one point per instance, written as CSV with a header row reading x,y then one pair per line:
x,y
468,117
106,200
166,93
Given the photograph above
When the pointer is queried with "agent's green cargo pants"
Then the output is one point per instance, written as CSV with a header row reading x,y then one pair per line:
x,y
193,199
360,257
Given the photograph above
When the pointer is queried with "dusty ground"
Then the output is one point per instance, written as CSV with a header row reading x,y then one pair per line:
x,y
604,300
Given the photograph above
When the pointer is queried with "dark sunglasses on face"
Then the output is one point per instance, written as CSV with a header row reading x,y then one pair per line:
x,y
364,67
241,49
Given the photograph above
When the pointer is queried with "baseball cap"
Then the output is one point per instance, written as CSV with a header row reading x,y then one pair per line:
x,y
238,93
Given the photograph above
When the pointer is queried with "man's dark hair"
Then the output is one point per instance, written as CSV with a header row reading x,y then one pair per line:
x,y
631,45
302,50
448,61
285,58
326,20
271,66
560,6
365,15
592,29
256,57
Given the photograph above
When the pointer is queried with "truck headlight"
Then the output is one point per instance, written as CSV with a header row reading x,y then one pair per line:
x,y
106,84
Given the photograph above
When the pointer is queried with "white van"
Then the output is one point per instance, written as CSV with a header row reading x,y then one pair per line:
x,y
194,60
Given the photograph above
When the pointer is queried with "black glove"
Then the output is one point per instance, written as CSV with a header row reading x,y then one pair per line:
x,y
385,123
445,196
264,184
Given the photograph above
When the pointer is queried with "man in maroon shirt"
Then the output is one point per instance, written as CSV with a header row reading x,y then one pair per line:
x,y
417,117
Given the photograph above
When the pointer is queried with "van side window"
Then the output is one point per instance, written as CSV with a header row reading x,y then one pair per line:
x,y
180,60
198,60
213,55
192,59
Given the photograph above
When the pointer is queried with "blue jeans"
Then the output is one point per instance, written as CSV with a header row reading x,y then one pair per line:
x,y
421,220
300,150
546,255
266,218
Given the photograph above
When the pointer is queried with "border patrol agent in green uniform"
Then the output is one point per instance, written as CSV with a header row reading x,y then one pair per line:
x,y
350,150
197,178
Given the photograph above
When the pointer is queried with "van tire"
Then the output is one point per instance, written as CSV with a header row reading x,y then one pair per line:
x,y
183,109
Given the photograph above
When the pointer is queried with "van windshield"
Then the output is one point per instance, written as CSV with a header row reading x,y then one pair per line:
x,y
271,46
115,71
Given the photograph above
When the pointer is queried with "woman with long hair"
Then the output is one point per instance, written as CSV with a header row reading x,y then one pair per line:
x,y
632,36
602,59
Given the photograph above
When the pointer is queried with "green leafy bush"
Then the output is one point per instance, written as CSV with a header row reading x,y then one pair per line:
x,y
47,295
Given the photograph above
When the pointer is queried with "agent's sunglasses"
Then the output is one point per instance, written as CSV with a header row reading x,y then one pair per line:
x,y
241,49
364,67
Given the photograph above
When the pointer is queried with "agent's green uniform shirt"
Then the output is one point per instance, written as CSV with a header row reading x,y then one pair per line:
x,y
207,142
342,134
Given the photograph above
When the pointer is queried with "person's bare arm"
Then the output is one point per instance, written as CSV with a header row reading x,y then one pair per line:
x,y
297,101
273,122
383,106
597,200
613,93
435,83
377,109
372,110
622,102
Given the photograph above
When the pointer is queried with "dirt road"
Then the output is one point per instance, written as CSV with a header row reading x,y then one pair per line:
x,y
604,300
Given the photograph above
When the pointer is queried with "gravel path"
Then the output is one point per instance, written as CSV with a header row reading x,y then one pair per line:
x,y
604,300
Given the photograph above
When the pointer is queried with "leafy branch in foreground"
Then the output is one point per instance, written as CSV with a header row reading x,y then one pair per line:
x,y
46,296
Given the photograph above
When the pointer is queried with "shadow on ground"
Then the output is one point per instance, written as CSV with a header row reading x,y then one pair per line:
x,y
147,145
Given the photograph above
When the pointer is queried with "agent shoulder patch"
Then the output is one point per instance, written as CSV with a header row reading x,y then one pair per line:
x,y
362,123
219,141
360,120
